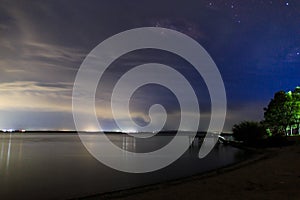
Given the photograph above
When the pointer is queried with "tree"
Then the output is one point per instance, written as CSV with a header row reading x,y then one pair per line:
x,y
249,132
296,100
283,112
276,114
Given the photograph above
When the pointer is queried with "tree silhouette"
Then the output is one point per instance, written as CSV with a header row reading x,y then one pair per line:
x,y
249,132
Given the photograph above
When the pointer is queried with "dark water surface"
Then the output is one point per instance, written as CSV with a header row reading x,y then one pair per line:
x,y
57,166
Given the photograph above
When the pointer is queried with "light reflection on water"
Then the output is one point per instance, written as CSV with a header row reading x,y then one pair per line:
x,y
52,166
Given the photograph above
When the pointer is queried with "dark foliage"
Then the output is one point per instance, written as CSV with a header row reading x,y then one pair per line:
x,y
249,132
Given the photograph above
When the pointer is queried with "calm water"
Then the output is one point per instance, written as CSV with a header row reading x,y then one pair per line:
x,y
57,166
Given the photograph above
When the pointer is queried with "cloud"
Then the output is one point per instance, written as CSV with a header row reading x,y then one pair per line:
x,y
30,95
39,51
39,54
34,86
26,51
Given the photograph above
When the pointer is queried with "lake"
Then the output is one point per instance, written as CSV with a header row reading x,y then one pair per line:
x,y
57,165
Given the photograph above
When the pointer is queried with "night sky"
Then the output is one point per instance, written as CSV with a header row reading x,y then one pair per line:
x,y
255,44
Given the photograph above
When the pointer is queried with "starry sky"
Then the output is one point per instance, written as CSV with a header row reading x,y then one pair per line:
x,y
255,44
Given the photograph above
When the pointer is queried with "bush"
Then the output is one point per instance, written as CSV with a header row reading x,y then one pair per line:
x,y
249,132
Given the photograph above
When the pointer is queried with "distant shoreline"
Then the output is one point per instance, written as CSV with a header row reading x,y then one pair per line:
x,y
168,133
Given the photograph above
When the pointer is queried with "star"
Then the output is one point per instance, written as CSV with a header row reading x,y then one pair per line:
x,y
287,3
298,53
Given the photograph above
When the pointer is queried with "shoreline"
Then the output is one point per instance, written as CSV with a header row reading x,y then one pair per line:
x,y
244,177
256,156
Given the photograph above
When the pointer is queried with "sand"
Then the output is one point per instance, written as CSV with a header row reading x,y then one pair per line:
x,y
274,174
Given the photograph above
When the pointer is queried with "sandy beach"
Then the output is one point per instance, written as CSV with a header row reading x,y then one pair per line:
x,y
273,174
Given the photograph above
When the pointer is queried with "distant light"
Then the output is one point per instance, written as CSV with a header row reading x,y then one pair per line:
x,y
91,130
8,130
64,129
23,131
298,53
130,131
287,3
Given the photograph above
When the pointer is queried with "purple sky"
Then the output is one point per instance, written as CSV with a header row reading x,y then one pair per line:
x,y
255,44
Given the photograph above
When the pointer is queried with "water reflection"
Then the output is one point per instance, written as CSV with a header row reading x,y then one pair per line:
x,y
52,166
141,145
11,152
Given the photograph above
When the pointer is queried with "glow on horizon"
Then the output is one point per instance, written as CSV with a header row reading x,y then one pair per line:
x,y
130,130
91,130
